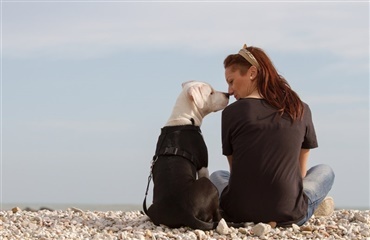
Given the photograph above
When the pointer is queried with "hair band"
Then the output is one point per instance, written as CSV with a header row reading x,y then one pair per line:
x,y
249,56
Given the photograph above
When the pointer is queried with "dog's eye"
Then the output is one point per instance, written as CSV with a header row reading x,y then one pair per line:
x,y
212,93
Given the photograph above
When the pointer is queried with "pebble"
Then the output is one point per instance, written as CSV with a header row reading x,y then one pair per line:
x,y
222,227
261,229
77,224
16,209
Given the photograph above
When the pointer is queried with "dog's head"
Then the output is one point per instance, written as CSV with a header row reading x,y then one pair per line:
x,y
205,98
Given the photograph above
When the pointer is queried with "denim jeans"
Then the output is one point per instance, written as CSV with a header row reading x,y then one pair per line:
x,y
316,185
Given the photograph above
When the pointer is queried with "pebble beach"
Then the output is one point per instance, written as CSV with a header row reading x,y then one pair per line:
x,y
75,223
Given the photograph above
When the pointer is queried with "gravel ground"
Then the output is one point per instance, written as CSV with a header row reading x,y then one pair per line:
x,y
74,223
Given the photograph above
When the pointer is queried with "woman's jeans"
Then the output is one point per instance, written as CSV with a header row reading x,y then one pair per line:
x,y
316,185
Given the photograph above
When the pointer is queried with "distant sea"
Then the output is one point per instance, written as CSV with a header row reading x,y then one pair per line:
x,y
103,207
85,207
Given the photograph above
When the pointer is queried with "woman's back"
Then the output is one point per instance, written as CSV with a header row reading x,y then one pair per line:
x,y
265,182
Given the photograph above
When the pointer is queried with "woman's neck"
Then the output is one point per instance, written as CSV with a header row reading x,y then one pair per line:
x,y
254,94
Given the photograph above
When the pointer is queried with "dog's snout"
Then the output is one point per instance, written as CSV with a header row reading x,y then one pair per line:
x,y
227,95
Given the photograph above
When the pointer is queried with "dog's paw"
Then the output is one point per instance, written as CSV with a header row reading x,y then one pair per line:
x,y
203,172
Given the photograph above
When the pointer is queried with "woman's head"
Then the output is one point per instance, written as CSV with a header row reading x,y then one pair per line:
x,y
241,77
251,72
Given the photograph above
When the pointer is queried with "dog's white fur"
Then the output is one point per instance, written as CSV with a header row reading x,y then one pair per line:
x,y
196,100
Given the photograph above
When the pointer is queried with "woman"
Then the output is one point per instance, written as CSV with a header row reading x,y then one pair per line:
x,y
266,136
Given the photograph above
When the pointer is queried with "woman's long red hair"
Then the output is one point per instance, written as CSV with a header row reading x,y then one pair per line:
x,y
271,86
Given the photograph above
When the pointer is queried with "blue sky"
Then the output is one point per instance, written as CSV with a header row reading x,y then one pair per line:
x,y
87,85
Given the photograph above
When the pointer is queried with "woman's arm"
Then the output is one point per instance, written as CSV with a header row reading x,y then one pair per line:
x,y
230,159
303,159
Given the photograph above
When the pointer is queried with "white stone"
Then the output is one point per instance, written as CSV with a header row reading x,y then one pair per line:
x,y
295,227
261,229
32,226
360,218
77,210
365,233
190,236
222,227
201,234
243,230
25,223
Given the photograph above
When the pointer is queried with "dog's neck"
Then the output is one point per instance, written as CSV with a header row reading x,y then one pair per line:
x,y
183,121
183,111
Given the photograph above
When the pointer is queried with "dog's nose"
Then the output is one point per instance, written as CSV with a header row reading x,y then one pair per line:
x,y
227,95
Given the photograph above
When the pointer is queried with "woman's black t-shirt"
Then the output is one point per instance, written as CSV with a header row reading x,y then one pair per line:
x,y
265,181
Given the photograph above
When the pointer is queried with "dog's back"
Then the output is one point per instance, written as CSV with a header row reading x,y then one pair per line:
x,y
182,200
179,199
185,210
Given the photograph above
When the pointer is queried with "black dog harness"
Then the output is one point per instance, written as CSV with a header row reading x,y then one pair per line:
x,y
174,151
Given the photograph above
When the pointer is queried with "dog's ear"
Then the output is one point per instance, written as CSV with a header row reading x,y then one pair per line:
x,y
199,94
184,83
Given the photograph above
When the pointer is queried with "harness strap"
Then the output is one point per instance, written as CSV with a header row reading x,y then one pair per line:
x,y
177,152
155,158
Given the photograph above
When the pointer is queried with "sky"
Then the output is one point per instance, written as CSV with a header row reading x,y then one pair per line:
x,y
87,85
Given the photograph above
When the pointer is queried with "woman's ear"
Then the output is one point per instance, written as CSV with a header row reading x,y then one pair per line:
x,y
253,73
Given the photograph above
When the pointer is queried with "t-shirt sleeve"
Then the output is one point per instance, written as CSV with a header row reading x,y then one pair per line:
x,y
310,140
